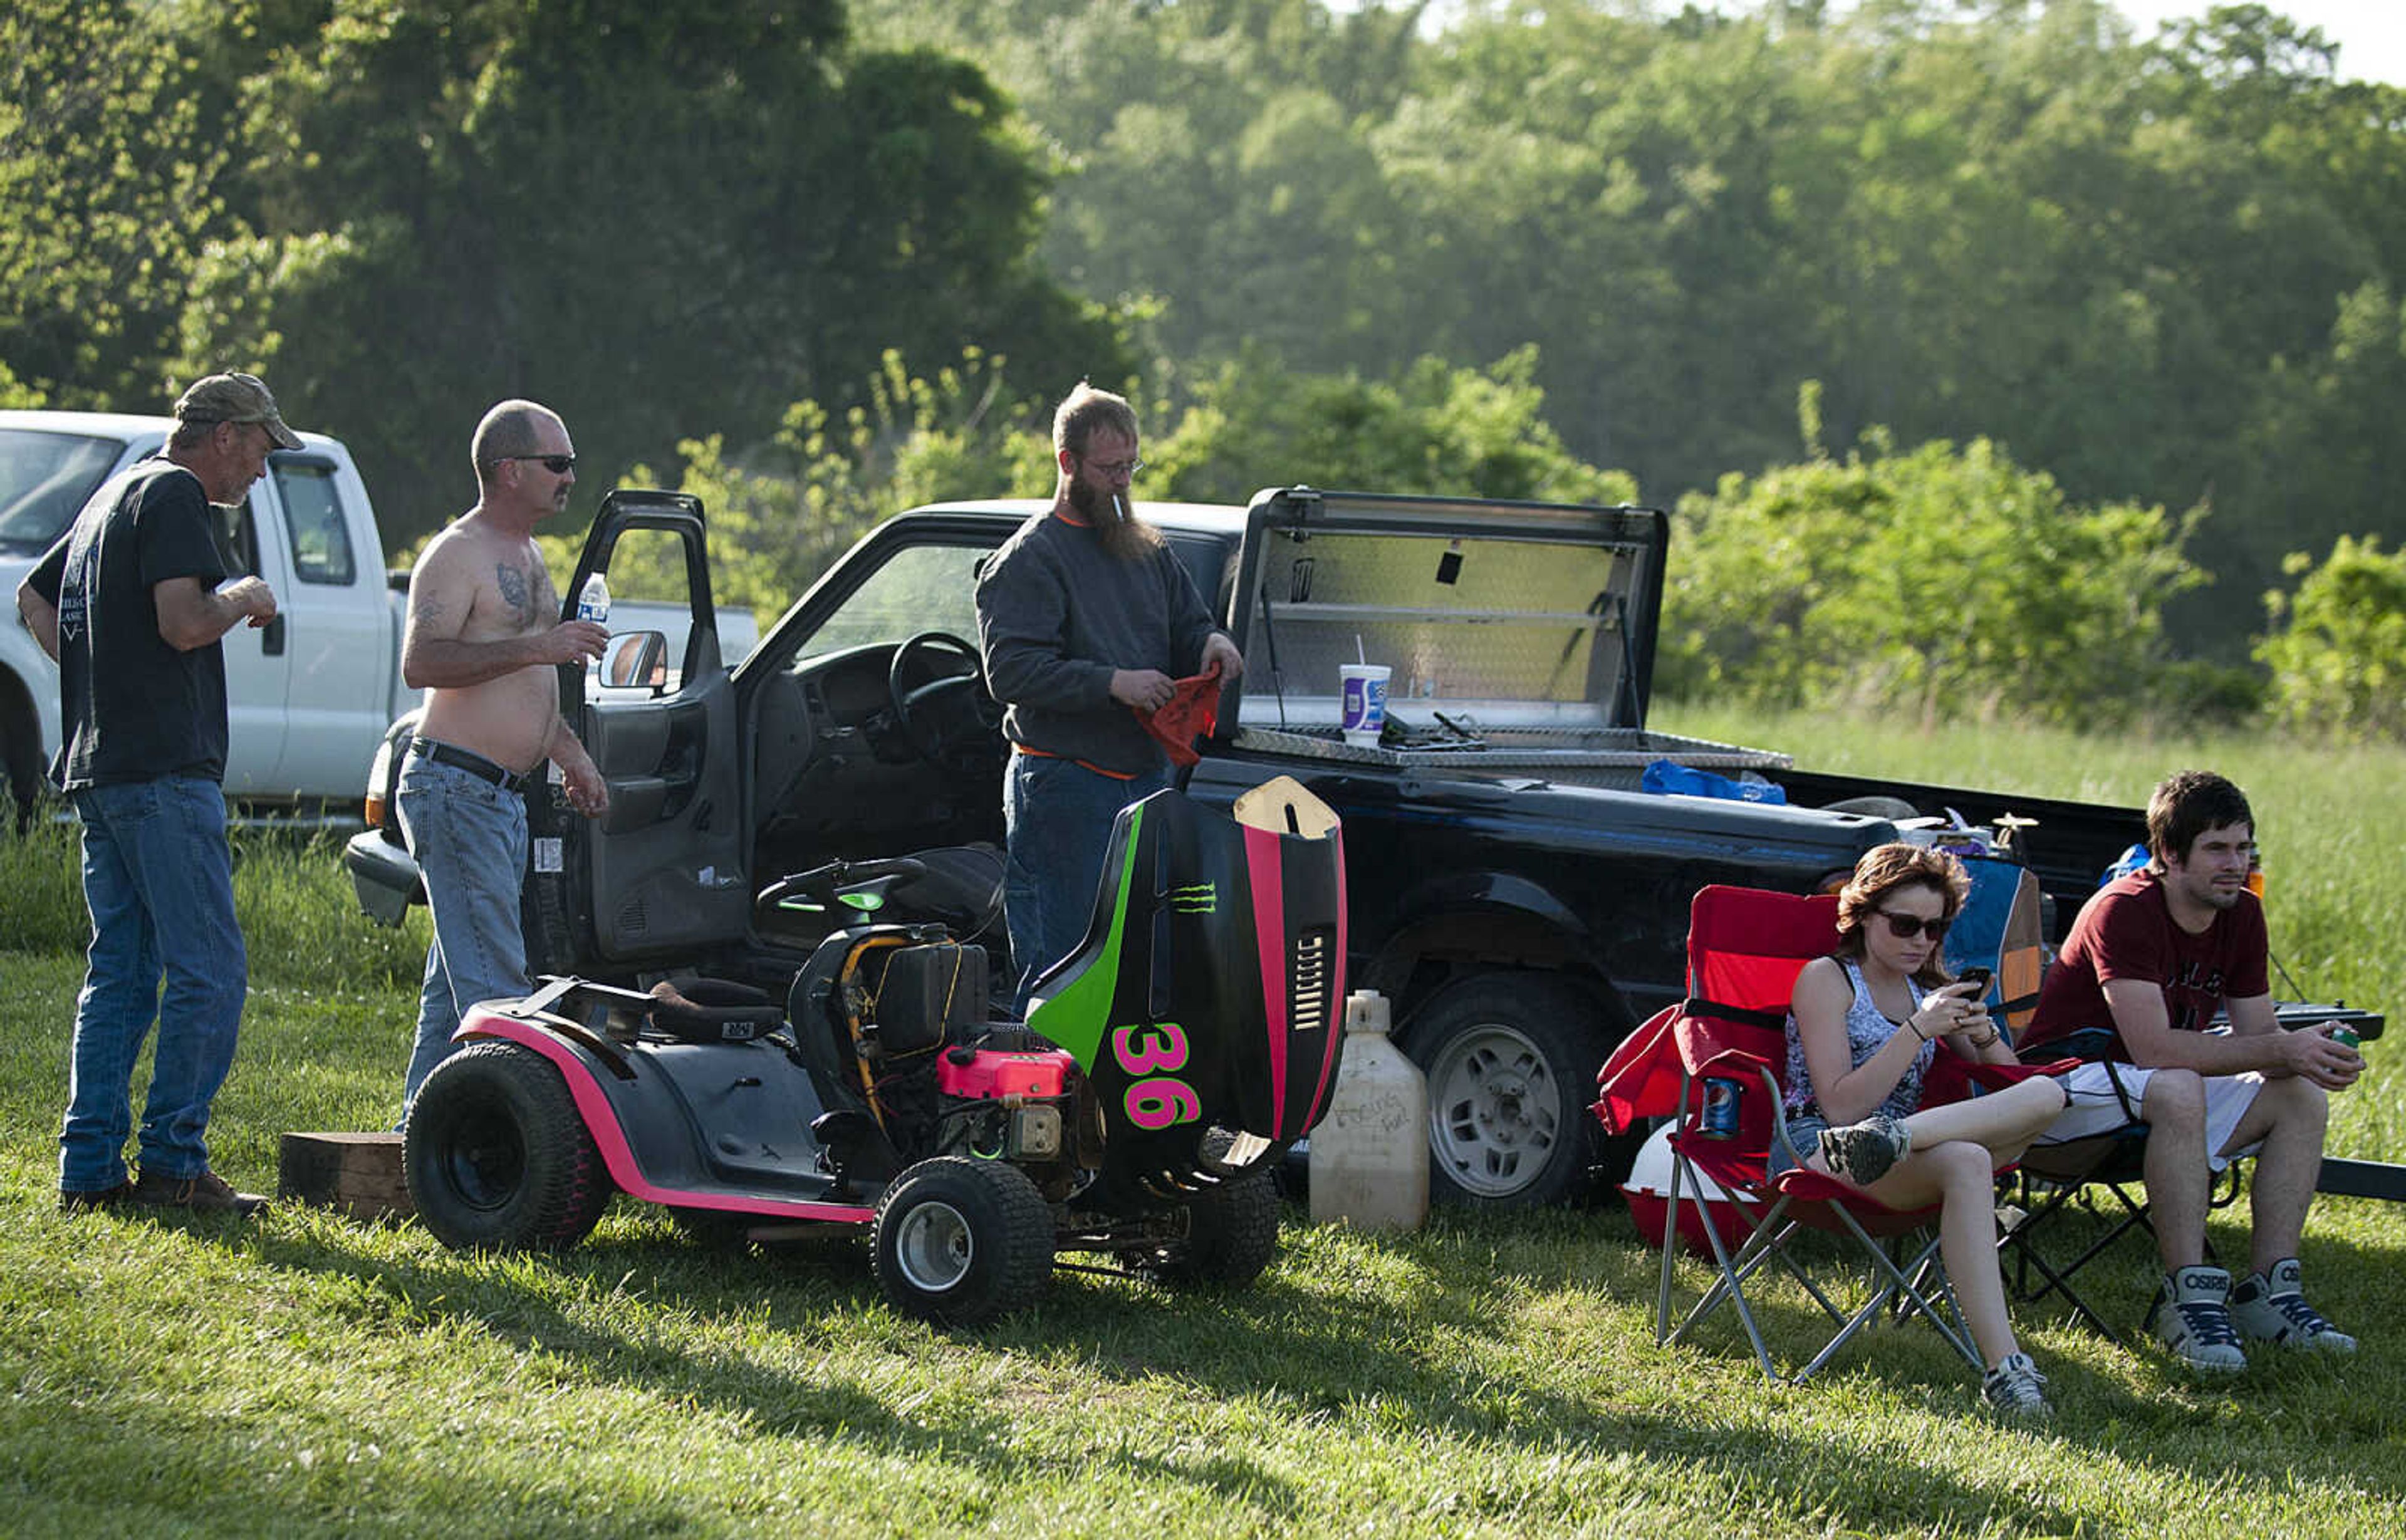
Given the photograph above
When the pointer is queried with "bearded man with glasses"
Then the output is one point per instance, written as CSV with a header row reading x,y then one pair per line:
x,y
1086,620
482,639
2150,961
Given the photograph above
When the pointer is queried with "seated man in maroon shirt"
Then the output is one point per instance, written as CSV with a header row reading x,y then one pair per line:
x,y
2151,960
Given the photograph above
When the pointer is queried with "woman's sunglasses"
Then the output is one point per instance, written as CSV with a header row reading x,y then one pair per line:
x,y
1904,927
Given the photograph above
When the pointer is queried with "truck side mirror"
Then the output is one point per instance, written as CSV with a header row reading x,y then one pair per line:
x,y
637,660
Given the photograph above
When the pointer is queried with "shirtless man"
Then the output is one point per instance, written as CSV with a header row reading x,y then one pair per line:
x,y
481,641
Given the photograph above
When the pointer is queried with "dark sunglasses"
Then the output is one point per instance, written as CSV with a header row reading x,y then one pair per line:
x,y
559,465
1904,927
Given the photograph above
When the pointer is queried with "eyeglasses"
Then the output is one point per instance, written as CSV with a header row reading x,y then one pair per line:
x,y
559,465
1904,927
1117,469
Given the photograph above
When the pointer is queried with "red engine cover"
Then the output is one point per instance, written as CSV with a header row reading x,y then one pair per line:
x,y
989,1074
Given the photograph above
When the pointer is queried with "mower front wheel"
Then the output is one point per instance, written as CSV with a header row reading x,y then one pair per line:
x,y
497,1156
962,1241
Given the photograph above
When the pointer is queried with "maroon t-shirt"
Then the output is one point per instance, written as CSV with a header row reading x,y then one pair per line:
x,y
2126,932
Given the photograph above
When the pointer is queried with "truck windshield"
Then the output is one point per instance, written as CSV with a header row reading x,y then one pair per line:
x,y
45,479
918,589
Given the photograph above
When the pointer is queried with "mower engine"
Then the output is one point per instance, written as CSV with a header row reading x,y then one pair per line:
x,y
942,1079
1013,1104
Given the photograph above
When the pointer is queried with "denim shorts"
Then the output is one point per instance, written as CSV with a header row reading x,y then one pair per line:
x,y
1805,1132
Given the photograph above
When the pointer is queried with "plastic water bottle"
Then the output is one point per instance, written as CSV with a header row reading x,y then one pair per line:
x,y
1369,1156
593,603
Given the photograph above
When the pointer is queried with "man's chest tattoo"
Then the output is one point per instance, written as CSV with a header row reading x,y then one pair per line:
x,y
518,593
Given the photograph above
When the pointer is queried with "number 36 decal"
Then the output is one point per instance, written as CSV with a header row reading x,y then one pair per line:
x,y
1156,1100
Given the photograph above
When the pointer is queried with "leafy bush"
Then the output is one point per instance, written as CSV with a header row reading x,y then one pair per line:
x,y
2339,664
1943,578
781,512
1433,429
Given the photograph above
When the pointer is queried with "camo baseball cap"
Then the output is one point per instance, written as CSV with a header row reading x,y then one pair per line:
x,y
236,398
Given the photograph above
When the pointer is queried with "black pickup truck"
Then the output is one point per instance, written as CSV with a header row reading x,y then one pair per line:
x,y
1513,892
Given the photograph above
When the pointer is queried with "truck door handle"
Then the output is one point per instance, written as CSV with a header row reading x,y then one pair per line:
x,y
271,639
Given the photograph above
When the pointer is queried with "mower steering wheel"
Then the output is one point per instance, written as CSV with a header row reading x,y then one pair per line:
x,y
922,712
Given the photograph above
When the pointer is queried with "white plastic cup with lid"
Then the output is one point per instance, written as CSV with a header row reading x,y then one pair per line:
x,y
1363,711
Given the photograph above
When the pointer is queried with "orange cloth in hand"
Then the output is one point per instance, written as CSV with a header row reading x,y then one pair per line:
x,y
1191,711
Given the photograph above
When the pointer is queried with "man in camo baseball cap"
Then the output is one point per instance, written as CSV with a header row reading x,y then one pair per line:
x,y
236,398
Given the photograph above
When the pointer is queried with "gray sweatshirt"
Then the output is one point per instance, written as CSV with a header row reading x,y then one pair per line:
x,y
1056,617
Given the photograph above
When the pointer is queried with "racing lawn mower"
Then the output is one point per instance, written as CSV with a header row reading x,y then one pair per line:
x,y
1164,1068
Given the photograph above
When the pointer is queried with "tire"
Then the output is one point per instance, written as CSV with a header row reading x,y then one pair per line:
x,y
1511,1060
497,1156
1889,807
1232,1236
961,1241
21,752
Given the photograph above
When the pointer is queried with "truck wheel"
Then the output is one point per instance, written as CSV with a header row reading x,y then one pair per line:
x,y
962,1241
21,750
1232,1234
1511,1061
497,1156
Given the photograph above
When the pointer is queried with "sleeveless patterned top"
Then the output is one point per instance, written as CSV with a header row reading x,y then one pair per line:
x,y
1866,1031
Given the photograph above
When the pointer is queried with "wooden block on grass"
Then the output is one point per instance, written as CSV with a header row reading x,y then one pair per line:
x,y
357,1173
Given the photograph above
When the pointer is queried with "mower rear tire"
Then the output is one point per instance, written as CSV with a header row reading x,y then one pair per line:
x,y
962,1241
497,1156
1232,1236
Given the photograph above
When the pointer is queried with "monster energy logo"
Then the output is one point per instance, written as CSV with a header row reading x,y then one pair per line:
x,y
1195,899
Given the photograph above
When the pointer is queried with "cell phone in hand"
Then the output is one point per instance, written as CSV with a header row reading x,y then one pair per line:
x,y
1977,978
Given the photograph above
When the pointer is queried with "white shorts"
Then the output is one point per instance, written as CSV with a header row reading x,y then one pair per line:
x,y
2096,1108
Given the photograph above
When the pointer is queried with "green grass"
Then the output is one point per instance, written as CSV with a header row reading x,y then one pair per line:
x,y
1493,1376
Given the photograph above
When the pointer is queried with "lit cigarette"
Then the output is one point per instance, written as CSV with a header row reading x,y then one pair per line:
x,y
1118,507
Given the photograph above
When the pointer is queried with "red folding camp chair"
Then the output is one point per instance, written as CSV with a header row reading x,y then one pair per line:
x,y
1727,1042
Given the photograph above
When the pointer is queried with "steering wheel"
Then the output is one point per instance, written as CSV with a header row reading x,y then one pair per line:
x,y
931,716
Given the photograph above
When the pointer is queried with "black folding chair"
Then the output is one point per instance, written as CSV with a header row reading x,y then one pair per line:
x,y
2103,1175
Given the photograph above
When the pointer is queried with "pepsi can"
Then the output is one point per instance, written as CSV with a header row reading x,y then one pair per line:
x,y
1721,1107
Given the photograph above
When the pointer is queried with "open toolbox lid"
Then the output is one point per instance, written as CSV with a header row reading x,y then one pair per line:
x,y
1522,617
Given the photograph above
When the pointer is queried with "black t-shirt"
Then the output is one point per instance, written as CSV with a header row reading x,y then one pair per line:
x,y
132,707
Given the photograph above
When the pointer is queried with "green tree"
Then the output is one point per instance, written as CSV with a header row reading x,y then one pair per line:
x,y
666,222
2135,262
1433,429
110,151
2338,648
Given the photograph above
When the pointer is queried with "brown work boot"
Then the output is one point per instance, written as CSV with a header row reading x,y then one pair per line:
x,y
205,1194
75,1202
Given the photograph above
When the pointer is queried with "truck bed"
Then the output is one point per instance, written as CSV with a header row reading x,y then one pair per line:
x,y
1599,756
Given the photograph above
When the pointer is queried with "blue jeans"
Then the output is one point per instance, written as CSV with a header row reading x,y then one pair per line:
x,y
469,839
160,886
1059,815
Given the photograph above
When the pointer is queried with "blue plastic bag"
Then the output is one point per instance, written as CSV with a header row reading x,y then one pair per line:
x,y
1663,776
2133,859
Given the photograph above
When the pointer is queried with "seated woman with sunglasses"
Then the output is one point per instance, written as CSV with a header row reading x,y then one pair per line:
x,y
1862,1028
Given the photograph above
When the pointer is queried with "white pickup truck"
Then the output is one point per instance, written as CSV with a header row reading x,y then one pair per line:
x,y
309,696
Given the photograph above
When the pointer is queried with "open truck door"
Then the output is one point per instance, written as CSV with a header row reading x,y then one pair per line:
x,y
662,874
